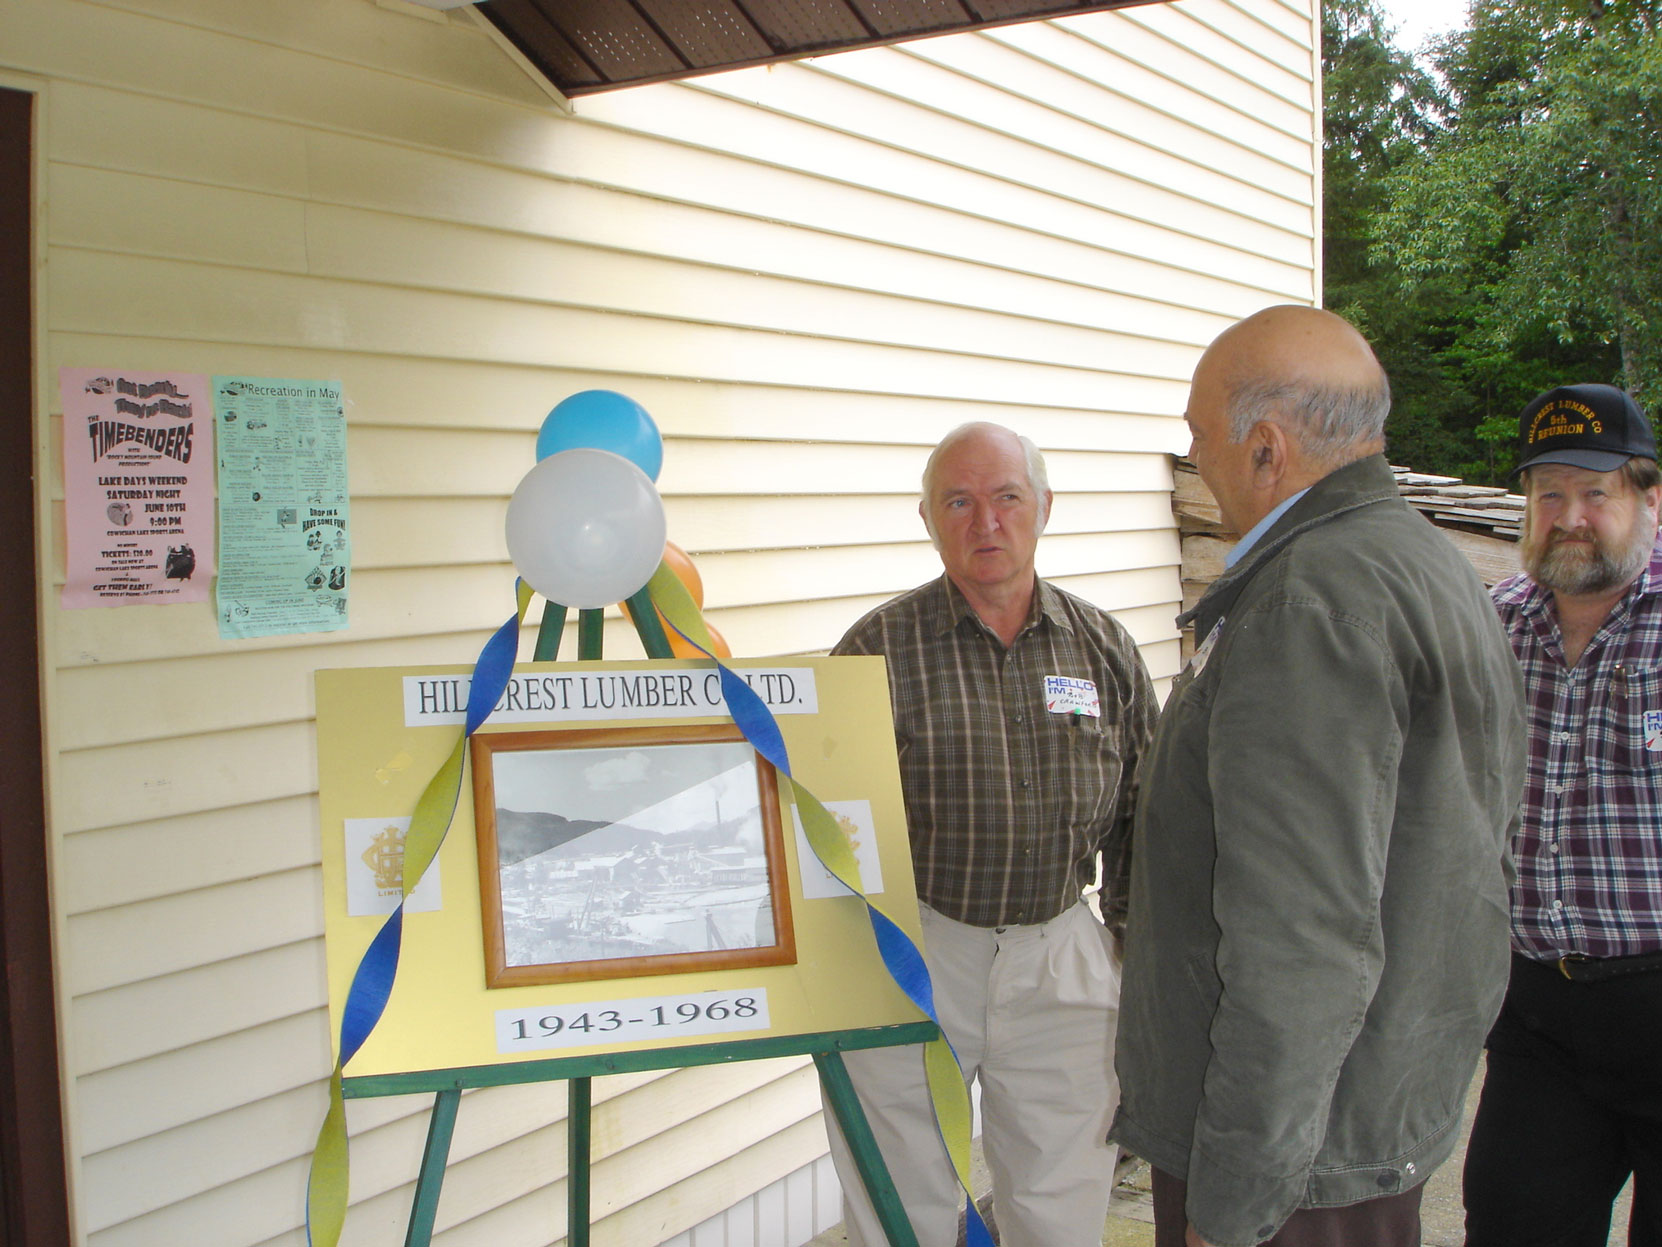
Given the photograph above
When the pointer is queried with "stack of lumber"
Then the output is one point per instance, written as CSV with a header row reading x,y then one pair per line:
x,y
1481,520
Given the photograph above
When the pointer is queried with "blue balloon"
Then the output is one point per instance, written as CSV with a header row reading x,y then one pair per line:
x,y
603,420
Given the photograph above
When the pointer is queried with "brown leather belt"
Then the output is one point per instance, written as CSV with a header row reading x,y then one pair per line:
x,y
1580,969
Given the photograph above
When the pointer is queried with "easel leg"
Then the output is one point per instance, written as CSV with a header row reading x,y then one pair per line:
x,y
578,1093
590,631
548,635
839,1091
645,614
433,1157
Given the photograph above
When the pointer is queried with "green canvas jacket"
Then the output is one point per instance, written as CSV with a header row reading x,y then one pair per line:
x,y
1317,938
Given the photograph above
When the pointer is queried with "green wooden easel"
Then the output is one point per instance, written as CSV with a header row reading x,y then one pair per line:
x,y
826,1048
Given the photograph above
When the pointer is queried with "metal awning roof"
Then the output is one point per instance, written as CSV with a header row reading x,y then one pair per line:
x,y
584,46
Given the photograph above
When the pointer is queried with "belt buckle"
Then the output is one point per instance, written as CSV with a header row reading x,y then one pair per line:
x,y
1566,959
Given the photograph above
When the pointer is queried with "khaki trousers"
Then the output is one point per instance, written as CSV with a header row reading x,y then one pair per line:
x,y
1031,1012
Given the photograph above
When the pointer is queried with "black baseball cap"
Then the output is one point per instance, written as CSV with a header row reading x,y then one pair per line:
x,y
1596,427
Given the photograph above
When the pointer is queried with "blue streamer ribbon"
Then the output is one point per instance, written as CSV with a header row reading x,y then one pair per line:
x,y
901,956
328,1181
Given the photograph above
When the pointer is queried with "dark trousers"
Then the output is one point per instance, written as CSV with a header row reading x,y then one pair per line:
x,y
1572,1104
1389,1221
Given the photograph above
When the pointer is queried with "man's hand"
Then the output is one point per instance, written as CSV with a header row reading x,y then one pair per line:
x,y
1192,1238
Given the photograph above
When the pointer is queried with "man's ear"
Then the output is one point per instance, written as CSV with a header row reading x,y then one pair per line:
x,y
1268,453
1044,509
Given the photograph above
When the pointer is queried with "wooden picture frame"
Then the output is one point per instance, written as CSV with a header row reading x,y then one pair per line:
x,y
606,853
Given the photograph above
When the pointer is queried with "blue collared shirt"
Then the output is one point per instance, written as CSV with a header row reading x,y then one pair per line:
x,y
1259,529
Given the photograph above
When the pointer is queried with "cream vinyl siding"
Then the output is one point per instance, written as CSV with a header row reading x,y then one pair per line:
x,y
807,273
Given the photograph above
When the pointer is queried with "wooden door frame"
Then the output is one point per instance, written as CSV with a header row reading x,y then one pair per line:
x,y
34,1203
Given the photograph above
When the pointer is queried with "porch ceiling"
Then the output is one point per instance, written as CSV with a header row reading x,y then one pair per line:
x,y
584,46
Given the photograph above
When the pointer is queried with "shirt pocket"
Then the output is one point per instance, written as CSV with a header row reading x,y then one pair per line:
x,y
1090,739
1634,714
1086,769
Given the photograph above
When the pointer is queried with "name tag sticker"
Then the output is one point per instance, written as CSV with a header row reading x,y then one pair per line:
x,y
1197,664
1653,731
1065,695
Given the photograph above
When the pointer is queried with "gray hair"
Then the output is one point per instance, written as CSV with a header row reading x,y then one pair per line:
x,y
1037,477
1327,420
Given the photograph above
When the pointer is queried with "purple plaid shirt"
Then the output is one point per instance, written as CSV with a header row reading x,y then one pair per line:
x,y
1589,854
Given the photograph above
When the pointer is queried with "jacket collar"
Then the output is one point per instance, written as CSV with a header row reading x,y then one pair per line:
x,y
1362,483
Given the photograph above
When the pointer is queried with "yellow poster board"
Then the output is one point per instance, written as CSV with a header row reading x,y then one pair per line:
x,y
383,732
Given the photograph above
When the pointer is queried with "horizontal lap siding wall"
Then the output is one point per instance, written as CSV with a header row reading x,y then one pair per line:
x,y
807,273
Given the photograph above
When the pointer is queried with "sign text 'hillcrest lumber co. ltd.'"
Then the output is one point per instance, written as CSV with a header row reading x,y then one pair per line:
x,y
545,696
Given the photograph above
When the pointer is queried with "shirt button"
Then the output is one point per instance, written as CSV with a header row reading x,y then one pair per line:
x,y
1566,737
1553,847
1557,907
1026,784
1021,718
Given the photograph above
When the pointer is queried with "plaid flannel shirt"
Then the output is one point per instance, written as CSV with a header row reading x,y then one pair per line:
x,y
1008,802
1589,855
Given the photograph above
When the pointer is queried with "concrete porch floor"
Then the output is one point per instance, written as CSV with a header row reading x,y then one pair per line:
x,y
1131,1212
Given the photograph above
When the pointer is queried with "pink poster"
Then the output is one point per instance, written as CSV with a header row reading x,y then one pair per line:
x,y
138,471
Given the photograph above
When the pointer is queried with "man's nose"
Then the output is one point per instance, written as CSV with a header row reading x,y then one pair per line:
x,y
1575,523
1573,516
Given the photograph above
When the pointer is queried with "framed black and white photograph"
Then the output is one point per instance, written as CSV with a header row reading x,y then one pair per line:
x,y
622,852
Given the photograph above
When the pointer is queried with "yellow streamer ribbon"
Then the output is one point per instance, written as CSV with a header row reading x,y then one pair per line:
x,y
947,1092
329,1180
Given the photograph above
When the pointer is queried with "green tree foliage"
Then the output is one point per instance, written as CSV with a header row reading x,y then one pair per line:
x,y
1378,111
1524,228
1381,111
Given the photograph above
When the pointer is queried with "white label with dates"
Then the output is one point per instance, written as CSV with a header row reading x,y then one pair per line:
x,y
547,1027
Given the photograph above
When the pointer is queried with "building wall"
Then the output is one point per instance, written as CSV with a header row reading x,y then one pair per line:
x,y
807,273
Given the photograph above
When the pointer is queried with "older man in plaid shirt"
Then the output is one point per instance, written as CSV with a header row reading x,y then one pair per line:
x,y
1020,712
1572,1102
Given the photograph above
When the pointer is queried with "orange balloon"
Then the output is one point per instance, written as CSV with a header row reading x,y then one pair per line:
x,y
683,648
685,572
681,566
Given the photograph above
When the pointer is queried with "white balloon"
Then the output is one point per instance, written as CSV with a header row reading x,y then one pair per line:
x,y
586,528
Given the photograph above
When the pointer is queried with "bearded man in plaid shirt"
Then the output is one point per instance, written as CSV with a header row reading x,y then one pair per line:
x,y
1572,1102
